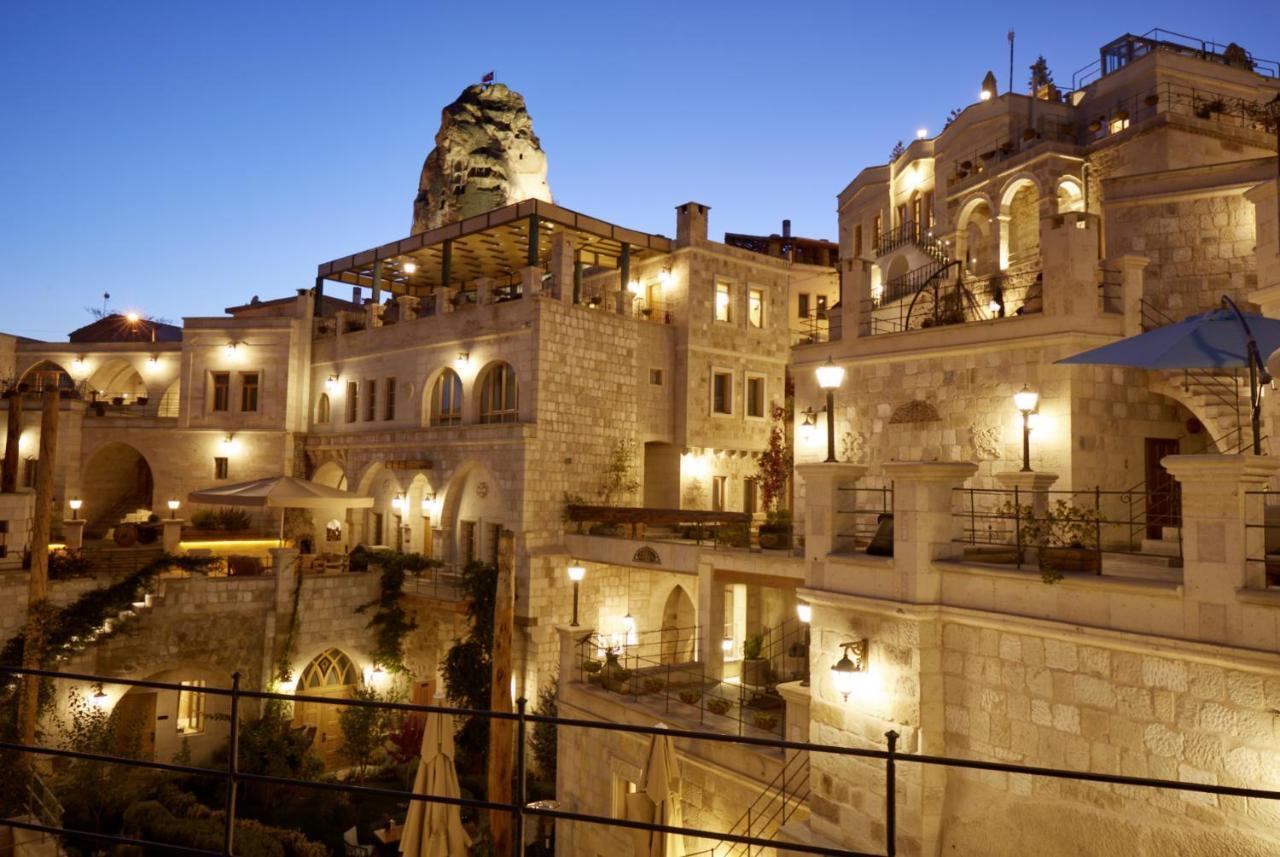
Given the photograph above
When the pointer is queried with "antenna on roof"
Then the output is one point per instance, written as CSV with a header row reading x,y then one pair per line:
x,y
106,296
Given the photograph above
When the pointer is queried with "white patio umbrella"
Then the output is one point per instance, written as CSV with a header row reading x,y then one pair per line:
x,y
658,801
435,829
280,492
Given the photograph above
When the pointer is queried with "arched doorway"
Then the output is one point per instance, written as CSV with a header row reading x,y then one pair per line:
x,y
117,381
117,482
331,675
678,631
473,514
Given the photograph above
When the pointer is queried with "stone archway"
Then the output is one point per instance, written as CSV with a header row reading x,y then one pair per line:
x,y
117,481
678,627
332,674
473,512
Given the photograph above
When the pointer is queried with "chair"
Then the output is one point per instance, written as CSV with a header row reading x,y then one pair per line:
x,y
352,847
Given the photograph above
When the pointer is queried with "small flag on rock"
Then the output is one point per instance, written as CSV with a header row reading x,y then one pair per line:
x,y
488,78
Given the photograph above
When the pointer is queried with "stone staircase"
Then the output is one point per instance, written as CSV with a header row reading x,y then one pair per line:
x,y
126,512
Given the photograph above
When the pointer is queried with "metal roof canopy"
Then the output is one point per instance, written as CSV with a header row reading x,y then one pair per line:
x,y
494,245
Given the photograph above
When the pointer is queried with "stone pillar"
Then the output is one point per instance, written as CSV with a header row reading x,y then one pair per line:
x,y
570,650
855,294
284,565
531,281
711,621
1215,541
171,534
1031,487
797,717
1131,286
1069,260
409,306
373,315
73,533
624,302
924,526
822,483
691,224
484,290
562,259
1002,248
1266,206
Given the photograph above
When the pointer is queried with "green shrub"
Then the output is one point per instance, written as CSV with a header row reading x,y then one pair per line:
x,y
719,705
149,819
653,684
690,696
752,646
233,520
64,564
206,519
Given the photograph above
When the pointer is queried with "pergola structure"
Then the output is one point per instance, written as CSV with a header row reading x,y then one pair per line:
x,y
496,245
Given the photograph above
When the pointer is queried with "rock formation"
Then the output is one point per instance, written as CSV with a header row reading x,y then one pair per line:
x,y
486,156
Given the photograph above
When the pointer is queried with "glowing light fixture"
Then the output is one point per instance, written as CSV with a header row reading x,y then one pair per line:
x,y
99,699
173,507
78,365
666,277
984,95
922,133
726,645
830,376
804,612
75,503
634,287
462,360
409,267
228,440
1026,400
854,661
132,317
230,350
576,574
153,361
331,383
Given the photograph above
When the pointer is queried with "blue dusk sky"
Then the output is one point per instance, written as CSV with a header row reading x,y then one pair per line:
x,y
185,156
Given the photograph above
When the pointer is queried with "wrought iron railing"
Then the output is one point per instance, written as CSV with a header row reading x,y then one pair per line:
x,y
862,509
518,807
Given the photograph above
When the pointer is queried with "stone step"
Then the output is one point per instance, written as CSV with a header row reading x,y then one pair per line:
x,y
1161,547
1143,557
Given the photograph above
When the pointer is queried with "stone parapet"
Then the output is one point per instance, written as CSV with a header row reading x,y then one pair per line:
x,y
924,528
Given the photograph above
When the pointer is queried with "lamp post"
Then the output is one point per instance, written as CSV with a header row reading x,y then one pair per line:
x,y
173,507
830,377
1026,400
75,503
576,573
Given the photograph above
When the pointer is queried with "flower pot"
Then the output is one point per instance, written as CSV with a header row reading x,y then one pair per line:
x,y
1070,559
775,538
717,705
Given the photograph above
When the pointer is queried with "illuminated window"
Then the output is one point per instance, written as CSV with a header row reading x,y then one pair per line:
x,y
221,391
249,391
353,401
755,396
371,400
190,719
29,472
722,392
322,409
724,301
220,468
749,495
1118,124
446,399
331,668
389,400
755,307
498,395
718,484
802,305
468,547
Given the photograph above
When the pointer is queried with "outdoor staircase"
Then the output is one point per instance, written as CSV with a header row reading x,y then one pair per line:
x,y
783,801
928,257
127,511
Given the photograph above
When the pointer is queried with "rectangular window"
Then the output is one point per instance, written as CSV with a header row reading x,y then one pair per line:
x,y
749,501
220,468
724,301
857,240
802,305
221,391
875,230
718,484
822,306
468,546
389,400
378,526
755,396
621,788
928,210
903,217
248,391
29,472
755,307
4,539
722,392
353,401
371,402
190,719
655,377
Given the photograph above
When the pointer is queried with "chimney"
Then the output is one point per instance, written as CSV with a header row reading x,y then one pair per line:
x,y
355,296
786,229
691,224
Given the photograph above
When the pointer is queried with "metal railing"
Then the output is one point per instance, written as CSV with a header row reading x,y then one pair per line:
x,y
519,807
1127,48
1267,551
910,233
940,301
659,673
1071,530
857,526
777,804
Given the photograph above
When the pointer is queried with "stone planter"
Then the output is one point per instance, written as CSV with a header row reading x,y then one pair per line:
x,y
775,539
1070,559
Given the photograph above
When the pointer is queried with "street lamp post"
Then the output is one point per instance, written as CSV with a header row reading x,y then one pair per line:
x,y
576,573
173,507
1026,400
830,377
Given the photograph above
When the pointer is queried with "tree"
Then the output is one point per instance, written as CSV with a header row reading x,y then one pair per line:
x,y
543,739
774,464
364,728
95,794
468,666
618,481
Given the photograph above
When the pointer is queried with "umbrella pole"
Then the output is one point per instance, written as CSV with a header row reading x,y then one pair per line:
x,y
1255,363
282,526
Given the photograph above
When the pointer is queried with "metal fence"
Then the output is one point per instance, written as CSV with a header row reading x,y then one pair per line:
x,y
519,807
862,509
1262,517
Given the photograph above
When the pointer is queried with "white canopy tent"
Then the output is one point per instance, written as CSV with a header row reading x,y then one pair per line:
x,y
280,492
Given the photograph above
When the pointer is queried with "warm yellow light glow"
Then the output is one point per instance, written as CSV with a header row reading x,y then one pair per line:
x,y
1026,399
462,360
1036,421
228,544
577,573
77,365
921,133
911,179
153,363
634,287
804,612
410,267
722,300
830,376
993,307
173,504
132,317
984,95
331,383
230,350
75,503
665,277
726,645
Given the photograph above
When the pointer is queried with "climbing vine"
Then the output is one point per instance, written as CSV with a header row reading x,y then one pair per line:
x,y
390,622
284,672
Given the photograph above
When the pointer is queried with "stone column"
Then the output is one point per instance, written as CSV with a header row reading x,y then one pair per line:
x,y
1266,206
624,302
73,533
797,699
1069,260
1131,279
531,281
409,306
822,483
373,315
570,650
484,290
924,526
284,565
562,259
1216,544
711,621
171,534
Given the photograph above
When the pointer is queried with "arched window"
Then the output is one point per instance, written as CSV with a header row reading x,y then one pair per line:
x,y
330,668
498,395
446,399
322,409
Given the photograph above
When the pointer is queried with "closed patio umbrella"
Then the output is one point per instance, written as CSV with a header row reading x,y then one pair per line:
x,y
1223,338
658,801
435,829
280,492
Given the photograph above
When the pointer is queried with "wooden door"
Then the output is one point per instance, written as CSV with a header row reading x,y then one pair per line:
x,y
323,718
136,713
1164,507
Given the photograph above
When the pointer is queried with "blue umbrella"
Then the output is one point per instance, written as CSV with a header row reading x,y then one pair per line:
x,y
1223,338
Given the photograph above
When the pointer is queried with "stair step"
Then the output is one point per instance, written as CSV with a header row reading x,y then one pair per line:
x,y
1155,560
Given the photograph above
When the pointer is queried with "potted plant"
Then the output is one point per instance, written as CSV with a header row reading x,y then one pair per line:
x,y
653,684
1065,537
690,696
775,532
719,705
613,675
755,669
765,720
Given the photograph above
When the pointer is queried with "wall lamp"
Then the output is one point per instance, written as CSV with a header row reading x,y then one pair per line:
x,y
853,662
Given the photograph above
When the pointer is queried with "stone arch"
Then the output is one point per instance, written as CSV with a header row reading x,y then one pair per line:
x,y
496,393
443,387
324,409
679,618
329,674
420,515
1020,222
473,504
331,539
170,719
975,237
1070,194
116,378
330,473
45,372
171,402
117,480
383,520
898,266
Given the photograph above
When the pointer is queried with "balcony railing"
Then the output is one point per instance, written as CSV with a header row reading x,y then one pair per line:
x,y
730,529
943,300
